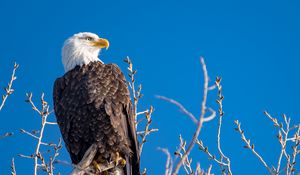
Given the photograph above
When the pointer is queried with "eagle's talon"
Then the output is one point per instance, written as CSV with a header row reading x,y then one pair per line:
x,y
96,166
122,162
119,160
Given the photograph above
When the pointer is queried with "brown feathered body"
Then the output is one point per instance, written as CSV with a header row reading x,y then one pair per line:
x,y
92,105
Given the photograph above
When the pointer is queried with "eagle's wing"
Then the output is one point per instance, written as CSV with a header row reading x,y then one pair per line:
x,y
118,107
62,119
70,107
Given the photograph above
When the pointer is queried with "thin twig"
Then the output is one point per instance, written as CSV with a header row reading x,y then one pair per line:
x,y
211,117
147,129
51,123
201,117
40,137
209,170
141,133
28,133
221,114
181,151
283,142
25,156
283,138
180,106
13,167
37,156
275,121
212,87
8,89
142,113
198,170
37,149
169,162
186,112
8,134
295,150
251,147
210,155
135,93
55,155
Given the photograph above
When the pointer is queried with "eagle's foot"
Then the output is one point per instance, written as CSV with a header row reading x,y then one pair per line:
x,y
99,167
119,160
96,165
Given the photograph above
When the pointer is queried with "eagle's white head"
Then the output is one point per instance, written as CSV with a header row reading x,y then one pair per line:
x,y
82,48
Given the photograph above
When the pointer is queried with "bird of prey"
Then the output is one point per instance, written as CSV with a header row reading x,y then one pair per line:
x,y
92,106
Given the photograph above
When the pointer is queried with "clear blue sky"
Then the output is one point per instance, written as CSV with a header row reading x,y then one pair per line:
x,y
253,45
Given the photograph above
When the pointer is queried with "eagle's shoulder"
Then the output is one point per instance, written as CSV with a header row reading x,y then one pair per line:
x,y
114,68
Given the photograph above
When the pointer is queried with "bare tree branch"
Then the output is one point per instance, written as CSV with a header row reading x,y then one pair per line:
x,y
137,95
295,151
180,106
201,118
199,122
169,162
283,139
221,114
251,147
223,161
210,155
147,129
9,90
37,156
13,167
181,151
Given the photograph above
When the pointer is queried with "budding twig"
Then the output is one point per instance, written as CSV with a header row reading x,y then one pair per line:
x,y
221,114
251,147
37,156
9,90
137,95
181,151
210,155
147,129
13,167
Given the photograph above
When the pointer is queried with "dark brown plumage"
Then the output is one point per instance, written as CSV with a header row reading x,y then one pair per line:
x,y
92,105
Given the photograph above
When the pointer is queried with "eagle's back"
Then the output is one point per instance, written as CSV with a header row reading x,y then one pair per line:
x,y
92,105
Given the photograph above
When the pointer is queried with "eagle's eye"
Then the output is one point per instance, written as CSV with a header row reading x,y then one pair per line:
x,y
89,38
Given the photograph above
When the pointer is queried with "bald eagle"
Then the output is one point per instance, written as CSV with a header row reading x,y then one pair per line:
x,y
92,106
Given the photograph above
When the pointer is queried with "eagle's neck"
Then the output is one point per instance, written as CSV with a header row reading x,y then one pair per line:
x,y
73,56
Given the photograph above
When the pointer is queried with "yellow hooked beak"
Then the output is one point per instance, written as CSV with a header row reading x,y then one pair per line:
x,y
101,43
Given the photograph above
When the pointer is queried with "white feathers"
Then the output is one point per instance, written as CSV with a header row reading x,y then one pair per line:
x,y
78,50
